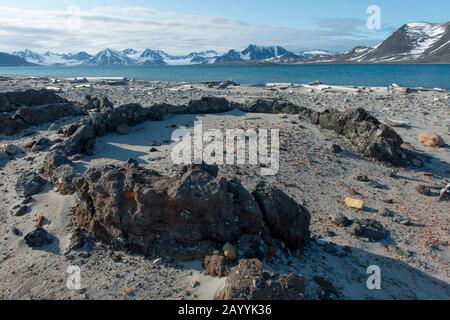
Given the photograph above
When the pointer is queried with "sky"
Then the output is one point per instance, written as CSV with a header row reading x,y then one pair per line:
x,y
182,26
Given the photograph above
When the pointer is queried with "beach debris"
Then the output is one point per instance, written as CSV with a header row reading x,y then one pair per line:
x,y
445,193
29,183
354,203
250,281
39,237
226,84
431,139
230,251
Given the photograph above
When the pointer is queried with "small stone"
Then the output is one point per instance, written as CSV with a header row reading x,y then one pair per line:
x,y
12,149
424,190
362,178
387,213
16,232
342,221
38,237
230,251
334,148
23,210
153,150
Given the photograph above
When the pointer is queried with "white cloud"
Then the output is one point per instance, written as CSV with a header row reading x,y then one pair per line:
x,y
123,27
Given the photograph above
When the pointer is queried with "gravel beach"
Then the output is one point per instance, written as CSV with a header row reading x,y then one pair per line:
x,y
403,227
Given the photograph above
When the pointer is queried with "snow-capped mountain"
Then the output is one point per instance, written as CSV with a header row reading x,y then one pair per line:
x,y
109,57
29,56
51,58
9,60
253,53
316,54
418,42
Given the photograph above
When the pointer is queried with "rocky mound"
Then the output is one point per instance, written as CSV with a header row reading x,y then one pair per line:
x,y
11,101
249,281
186,216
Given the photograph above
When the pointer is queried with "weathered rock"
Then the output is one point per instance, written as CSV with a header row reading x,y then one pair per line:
x,y
82,141
58,168
46,113
274,107
123,129
29,183
98,104
431,139
11,101
209,105
41,145
371,138
140,209
39,237
369,229
10,126
12,149
23,210
249,281
286,219
215,265
424,190
342,221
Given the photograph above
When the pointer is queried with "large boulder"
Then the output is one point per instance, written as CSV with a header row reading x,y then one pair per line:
x,y
29,184
370,137
37,115
10,126
11,101
142,210
209,105
60,171
274,106
82,141
250,281
287,220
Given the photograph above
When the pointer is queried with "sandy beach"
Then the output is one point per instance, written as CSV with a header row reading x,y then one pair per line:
x,y
319,169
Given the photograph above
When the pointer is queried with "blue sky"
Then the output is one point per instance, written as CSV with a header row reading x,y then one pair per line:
x,y
180,26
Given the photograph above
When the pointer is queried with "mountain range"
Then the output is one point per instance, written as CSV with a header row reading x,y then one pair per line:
x,y
418,42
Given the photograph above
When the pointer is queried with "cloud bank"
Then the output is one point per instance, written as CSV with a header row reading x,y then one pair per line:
x,y
73,30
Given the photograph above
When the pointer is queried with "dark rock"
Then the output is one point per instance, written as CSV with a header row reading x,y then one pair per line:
x,y
249,281
82,141
41,145
362,178
11,101
342,221
16,232
209,105
23,210
369,229
29,184
139,209
123,129
326,289
371,138
334,148
37,115
286,219
39,237
10,126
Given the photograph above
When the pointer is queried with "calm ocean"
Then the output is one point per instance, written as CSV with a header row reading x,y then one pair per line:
x,y
430,76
